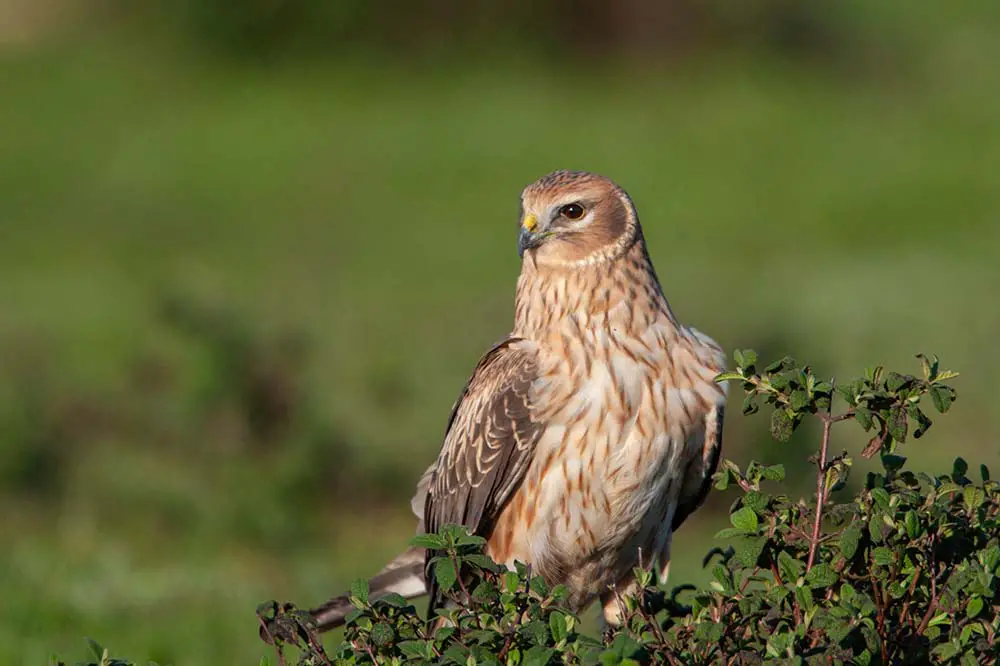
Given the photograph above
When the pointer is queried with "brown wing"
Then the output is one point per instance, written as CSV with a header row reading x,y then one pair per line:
x,y
488,442
698,476
488,445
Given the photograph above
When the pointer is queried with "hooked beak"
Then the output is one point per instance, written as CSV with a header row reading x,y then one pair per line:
x,y
527,237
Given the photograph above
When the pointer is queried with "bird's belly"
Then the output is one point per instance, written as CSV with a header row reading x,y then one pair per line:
x,y
599,494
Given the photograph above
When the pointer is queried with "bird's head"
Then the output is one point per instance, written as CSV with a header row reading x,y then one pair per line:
x,y
575,217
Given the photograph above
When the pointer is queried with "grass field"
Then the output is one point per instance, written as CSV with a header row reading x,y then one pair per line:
x,y
848,217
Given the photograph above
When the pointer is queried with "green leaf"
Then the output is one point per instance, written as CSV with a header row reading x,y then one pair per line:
x,y
973,496
846,393
942,397
729,533
782,363
745,358
804,596
895,381
882,556
727,376
382,634
773,472
892,462
821,575
912,522
921,419
782,425
394,599
359,589
445,574
749,549
96,649
429,541
897,423
946,651
800,400
744,519
538,655
417,649
959,468
750,404
557,626
849,539
974,607
863,416
789,567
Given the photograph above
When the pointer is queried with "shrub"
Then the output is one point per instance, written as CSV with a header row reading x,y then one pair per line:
x,y
905,572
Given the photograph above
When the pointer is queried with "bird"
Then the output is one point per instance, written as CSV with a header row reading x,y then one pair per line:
x,y
589,434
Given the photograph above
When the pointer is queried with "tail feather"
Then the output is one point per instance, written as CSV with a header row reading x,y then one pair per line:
x,y
404,576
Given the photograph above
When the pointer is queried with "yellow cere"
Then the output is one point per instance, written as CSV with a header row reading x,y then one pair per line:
x,y
530,222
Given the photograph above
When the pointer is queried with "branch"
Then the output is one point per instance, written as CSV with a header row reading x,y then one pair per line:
x,y
820,489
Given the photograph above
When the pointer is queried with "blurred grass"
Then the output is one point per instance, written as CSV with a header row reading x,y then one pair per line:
x,y
363,214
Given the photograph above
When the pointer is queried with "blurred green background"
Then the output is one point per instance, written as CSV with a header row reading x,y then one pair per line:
x,y
249,252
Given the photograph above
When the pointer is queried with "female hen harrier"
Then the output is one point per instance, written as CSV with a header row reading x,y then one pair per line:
x,y
591,432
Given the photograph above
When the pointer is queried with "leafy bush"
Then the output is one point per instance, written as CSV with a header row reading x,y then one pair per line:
x,y
905,572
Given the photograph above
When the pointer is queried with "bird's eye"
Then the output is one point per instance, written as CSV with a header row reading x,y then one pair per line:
x,y
573,211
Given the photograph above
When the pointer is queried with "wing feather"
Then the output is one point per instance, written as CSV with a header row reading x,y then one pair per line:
x,y
488,445
488,442
698,476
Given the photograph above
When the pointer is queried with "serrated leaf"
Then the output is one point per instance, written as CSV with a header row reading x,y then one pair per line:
x,y
744,519
359,589
429,541
799,400
821,575
394,599
748,550
729,533
789,567
849,540
445,574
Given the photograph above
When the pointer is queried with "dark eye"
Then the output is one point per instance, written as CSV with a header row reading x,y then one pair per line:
x,y
573,211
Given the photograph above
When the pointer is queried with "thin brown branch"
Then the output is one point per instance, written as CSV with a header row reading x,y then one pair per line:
x,y
820,491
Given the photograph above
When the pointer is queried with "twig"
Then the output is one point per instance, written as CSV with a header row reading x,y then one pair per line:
x,y
820,490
